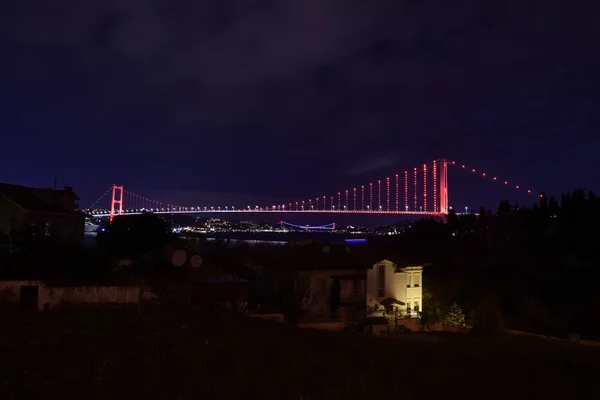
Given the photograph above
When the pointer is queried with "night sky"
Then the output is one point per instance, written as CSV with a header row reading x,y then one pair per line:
x,y
186,101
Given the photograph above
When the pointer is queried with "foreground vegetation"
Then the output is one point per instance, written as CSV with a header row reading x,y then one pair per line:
x,y
113,353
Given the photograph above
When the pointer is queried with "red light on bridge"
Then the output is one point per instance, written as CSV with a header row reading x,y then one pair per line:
x,y
483,174
505,182
463,166
473,169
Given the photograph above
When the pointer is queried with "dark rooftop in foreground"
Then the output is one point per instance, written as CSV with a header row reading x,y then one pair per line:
x,y
36,200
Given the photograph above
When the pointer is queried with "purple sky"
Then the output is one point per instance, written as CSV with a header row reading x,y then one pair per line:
x,y
292,99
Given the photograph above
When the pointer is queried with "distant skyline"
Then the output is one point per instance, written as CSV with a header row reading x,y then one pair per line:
x,y
294,99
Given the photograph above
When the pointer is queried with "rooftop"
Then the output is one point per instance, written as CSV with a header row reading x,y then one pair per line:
x,y
35,200
333,256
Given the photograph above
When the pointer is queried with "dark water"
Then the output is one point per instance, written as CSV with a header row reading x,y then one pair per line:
x,y
271,238
277,238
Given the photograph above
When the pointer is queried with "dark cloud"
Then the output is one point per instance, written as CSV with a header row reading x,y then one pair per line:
x,y
246,85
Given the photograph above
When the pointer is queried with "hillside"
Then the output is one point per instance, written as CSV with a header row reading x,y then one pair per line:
x,y
95,354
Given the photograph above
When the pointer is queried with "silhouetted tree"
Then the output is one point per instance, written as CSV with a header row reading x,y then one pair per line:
x,y
133,235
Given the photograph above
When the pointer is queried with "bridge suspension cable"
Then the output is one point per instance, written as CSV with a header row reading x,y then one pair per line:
x,y
491,177
330,226
100,198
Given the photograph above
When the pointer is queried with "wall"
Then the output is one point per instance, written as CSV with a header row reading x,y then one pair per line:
x,y
15,288
9,213
321,281
96,295
68,228
53,296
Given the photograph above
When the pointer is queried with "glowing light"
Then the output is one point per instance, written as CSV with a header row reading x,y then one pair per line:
x,y
397,187
379,195
415,189
424,187
473,170
356,241
494,178
505,182
435,188
346,207
317,202
339,201
517,186
387,183
362,197
354,196
371,196
406,190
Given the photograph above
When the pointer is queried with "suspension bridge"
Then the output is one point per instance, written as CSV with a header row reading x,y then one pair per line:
x,y
419,191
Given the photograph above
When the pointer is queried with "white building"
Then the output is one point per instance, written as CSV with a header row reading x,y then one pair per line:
x,y
395,290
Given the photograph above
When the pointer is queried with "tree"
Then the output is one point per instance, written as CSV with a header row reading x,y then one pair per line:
x,y
298,298
455,316
431,313
133,235
487,318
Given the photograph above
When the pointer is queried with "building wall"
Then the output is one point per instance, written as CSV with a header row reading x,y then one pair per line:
x,y
9,214
49,296
405,286
321,281
14,287
95,295
69,228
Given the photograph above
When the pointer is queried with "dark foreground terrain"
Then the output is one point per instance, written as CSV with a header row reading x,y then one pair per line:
x,y
114,354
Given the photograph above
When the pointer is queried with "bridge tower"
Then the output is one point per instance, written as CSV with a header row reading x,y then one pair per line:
x,y
116,204
443,190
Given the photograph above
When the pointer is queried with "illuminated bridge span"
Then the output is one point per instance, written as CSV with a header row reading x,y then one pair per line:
x,y
328,227
419,191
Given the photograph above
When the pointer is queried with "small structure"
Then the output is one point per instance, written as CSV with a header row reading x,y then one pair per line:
x,y
47,212
354,284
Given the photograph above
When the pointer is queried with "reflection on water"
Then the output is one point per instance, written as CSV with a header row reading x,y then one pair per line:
x,y
278,239
253,242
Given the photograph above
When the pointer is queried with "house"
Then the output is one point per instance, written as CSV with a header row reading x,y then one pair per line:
x,y
351,283
395,291
46,212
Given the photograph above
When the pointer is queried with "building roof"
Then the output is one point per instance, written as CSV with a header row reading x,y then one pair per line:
x,y
27,198
391,302
330,256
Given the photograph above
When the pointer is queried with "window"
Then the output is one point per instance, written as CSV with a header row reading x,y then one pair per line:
x,y
416,279
416,307
355,288
408,279
381,281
